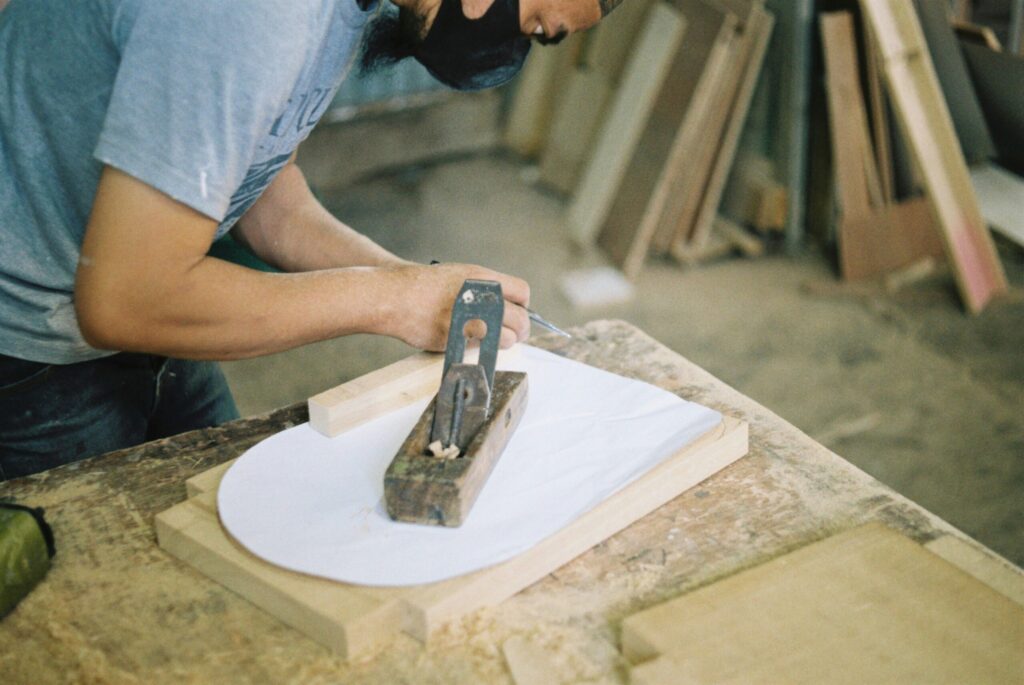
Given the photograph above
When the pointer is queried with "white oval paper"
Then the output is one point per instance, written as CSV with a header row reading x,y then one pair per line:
x,y
315,505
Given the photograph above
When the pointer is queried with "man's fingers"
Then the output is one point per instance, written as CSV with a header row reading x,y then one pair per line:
x,y
508,338
517,319
515,290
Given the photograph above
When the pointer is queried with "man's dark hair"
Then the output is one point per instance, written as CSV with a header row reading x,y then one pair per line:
x,y
393,35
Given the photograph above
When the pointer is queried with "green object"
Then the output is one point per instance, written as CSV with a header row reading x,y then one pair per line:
x,y
26,546
230,250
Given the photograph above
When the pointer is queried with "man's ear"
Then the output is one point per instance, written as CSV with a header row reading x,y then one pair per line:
x,y
474,9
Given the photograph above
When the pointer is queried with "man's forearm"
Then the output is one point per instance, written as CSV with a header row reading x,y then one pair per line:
x,y
289,229
145,284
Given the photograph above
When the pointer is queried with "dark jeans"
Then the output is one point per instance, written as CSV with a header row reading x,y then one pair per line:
x,y
54,414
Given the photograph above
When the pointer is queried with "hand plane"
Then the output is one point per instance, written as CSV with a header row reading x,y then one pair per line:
x,y
443,464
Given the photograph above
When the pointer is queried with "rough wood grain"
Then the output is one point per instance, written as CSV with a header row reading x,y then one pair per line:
x,y
868,605
420,488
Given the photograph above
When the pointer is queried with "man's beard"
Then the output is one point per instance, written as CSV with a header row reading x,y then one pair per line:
x,y
393,35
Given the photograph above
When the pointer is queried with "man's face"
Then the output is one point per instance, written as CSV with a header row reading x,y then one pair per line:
x,y
473,44
549,20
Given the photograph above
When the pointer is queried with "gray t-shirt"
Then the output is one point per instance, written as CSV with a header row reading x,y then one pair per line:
x,y
204,100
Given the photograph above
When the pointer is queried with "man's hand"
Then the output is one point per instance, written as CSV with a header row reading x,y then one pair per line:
x,y
418,308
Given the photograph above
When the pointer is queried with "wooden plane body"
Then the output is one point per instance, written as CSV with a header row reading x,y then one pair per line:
x,y
422,488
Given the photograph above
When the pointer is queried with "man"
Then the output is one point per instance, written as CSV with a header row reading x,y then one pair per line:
x,y
133,133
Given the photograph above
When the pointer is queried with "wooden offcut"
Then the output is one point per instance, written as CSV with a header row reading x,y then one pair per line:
x,y
356,621
422,488
864,606
348,405
928,130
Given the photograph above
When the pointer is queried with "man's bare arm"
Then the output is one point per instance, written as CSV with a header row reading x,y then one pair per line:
x,y
289,229
145,284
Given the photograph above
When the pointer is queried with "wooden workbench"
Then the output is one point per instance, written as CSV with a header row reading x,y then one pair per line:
x,y
116,608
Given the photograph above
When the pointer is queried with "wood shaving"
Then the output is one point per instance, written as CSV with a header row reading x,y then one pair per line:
x,y
442,452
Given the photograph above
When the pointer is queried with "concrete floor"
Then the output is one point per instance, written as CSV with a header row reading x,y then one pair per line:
x,y
905,386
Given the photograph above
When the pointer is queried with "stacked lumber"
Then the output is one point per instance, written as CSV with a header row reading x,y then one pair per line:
x,y
640,121
914,73
644,127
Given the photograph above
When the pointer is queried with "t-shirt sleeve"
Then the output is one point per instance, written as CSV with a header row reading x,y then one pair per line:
x,y
198,87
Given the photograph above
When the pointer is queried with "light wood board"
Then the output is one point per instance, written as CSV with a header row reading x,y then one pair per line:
x,y
356,621
669,136
757,33
707,117
864,606
928,130
624,125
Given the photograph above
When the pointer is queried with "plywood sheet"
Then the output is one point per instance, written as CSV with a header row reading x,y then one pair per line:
x,y
865,606
356,621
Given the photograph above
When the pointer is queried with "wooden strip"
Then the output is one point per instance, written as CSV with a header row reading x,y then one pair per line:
x,y
880,124
874,238
359,400
430,607
760,26
928,129
660,155
339,409
864,606
847,121
632,106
